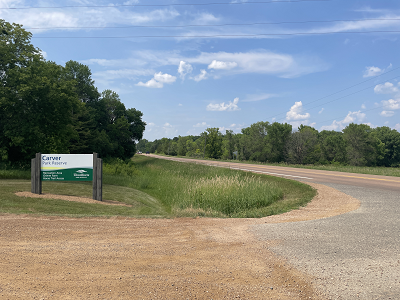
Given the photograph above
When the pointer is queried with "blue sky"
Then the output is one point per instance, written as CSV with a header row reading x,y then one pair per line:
x,y
319,63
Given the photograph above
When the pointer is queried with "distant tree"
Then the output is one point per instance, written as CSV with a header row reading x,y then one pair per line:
x,y
213,147
302,146
391,139
228,144
278,135
333,146
254,141
363,148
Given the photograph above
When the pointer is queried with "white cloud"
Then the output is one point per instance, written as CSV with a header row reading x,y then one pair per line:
x,y
180,104
202,76
352,117
397,127
386,88
230,106
322,109
374,71
158,81
72,17
256,61
202,124
363,106
222,65
205,18
184,69
257,97
391,104
152,83
164,78
387,113
295,112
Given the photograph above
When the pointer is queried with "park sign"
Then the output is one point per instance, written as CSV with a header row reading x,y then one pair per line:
x,y
67,167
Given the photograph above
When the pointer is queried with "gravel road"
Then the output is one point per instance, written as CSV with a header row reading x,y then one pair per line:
x,y
351,256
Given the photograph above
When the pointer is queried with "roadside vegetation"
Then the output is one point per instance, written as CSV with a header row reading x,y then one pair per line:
x,y
384,171
357,145
159,188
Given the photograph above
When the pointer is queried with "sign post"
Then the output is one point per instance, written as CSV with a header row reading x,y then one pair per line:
x,y
67,167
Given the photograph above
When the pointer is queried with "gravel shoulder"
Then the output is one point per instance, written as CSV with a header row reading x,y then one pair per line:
x,y
350,256
54,257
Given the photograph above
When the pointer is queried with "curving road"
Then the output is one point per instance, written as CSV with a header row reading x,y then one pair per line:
x,y
351,256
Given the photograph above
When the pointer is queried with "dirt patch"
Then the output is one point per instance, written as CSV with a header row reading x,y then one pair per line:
x,y
94,258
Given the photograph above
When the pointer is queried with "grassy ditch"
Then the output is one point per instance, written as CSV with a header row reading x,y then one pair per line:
x,y
188,189
160,188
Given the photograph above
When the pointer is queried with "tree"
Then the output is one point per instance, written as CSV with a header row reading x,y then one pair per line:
x,y
213,147
255,141
333,146
84,84
302,146
278,135
391,139
36,112
228,144
363,148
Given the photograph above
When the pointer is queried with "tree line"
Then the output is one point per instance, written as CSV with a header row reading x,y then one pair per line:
x,y
357,144
49,108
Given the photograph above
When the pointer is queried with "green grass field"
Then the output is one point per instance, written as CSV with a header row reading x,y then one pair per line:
x,y
161,188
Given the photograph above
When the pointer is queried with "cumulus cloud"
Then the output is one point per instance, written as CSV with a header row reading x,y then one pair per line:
x,y
295,112
391,104
158,80
164,78
230,106
184,69
202,76
386,88
152,83
374,71
387,113
352,117
222,65
397,127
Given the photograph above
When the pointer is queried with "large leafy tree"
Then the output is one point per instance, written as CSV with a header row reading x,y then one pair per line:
x,y
255,141
45,107
363,147
391,139
333,146
36,103
302,146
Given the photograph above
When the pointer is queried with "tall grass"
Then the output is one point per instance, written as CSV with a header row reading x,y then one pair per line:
x,y
188,189
228,194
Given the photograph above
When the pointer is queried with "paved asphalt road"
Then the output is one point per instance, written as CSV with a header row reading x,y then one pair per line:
x,y
352,256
